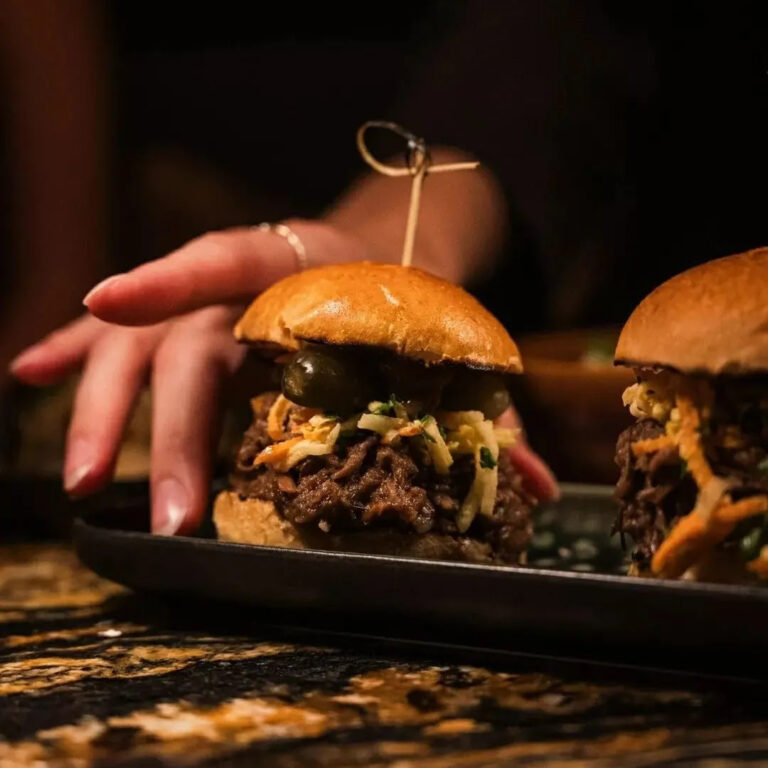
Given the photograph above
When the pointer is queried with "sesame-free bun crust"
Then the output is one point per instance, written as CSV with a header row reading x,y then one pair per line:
x,y
402,309
252,521
711,319
255,521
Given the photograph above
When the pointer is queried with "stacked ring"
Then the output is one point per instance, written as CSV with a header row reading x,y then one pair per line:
x,y
284,231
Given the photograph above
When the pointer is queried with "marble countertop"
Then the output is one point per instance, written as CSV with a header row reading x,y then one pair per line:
x,y
93,675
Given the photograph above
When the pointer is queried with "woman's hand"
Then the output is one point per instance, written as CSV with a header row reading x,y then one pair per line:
x,y
183,307
538,479
187,359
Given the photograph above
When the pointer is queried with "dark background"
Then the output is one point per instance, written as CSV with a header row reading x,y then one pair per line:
x,y
630,138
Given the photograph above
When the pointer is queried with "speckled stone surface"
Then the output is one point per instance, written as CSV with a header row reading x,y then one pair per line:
x,y
91,675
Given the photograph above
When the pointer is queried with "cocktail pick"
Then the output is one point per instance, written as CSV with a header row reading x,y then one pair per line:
x,y
418,165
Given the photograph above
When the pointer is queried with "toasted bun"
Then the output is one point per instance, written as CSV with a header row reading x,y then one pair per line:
x,y
402,309
253,521
711,319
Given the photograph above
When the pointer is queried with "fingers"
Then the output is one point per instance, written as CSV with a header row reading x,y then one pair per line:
x,y
189,368
58,354
538,478
218,268
114,374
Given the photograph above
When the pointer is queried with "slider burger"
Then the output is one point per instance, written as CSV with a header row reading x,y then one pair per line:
x,y
382,436
693,490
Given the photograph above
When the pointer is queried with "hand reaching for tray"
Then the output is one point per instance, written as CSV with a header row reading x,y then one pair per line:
x,y
171,320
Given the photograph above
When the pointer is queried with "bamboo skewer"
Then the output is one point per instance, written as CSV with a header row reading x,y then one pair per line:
x,y
418,166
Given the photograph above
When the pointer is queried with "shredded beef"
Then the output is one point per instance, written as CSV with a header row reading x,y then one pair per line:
x,y
366,484
651,491
355,458
654,489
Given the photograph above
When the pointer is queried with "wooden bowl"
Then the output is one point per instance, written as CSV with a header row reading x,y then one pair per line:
x,y
570,400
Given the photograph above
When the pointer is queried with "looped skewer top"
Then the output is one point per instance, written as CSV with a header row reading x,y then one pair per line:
x,y
418,164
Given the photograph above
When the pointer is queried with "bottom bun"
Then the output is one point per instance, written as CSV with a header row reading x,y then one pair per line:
x,y
255,521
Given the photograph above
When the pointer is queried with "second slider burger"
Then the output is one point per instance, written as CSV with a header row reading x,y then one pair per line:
x,y
382,436
693,490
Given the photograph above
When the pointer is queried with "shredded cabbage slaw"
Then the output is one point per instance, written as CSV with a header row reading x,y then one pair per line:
x,y
442,437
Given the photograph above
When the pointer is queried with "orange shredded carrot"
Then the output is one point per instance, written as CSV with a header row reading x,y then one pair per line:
x,y
741,510
410,430
684,544
276,417
693,536
651,445
277,452
690,443
298,418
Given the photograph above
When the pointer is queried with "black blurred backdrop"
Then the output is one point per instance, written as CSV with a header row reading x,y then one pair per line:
x,y
256,108
630,138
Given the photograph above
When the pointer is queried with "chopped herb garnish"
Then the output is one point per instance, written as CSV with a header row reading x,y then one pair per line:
x,y
754,541
763,466
486,458
387,408
425,421
684,470
333,416
442,431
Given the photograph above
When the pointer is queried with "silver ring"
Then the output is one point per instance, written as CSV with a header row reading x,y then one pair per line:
x,y
284,231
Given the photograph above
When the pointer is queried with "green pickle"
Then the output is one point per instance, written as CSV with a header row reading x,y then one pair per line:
x,y
327,378
476,391
412,381
343,381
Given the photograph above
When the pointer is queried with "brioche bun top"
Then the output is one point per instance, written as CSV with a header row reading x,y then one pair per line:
x,y
711,319
401,309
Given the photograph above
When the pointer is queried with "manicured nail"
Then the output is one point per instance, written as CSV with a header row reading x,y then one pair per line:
x,y
170,507
100,286
80,463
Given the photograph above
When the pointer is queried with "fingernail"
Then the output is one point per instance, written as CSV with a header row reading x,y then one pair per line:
x,y
80,462
100,286
170,507
29,355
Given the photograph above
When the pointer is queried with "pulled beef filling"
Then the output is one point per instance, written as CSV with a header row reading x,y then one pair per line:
x,y
654,489
366,483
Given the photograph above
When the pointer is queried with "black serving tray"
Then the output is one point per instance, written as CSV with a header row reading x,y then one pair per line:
x,y
572,600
